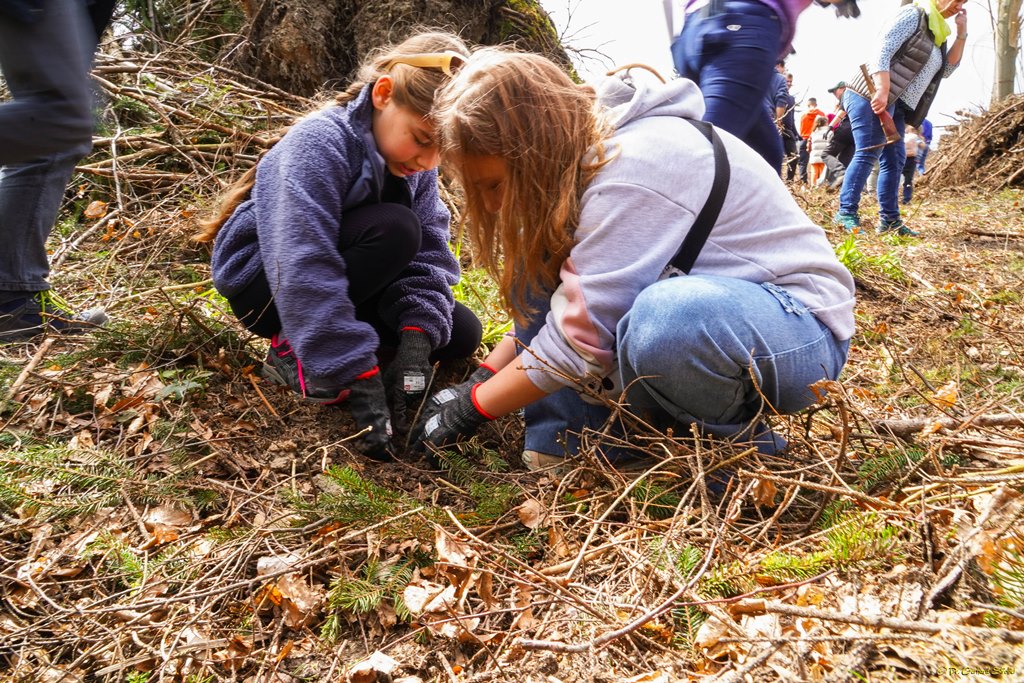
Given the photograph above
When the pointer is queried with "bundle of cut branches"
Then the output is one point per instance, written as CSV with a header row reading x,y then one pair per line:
x,y
985,150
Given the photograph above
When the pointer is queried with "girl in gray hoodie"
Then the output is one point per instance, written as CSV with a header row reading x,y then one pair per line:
x,y
577,202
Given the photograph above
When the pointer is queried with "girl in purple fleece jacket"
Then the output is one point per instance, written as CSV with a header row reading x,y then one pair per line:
x,y
336,243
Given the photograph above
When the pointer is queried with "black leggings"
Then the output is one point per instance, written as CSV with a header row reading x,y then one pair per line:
x,y
377,242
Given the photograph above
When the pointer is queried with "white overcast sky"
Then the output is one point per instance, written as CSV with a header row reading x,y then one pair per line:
x,y
828,49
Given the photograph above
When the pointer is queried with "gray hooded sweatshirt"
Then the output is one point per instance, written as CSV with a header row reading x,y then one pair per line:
x,y
639,208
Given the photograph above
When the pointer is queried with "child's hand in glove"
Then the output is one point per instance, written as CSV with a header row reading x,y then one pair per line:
x,y
369,408
451,413
408,375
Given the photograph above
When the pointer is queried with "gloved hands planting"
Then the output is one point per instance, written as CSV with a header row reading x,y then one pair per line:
x,y
407,377
369,407
451,413
434,404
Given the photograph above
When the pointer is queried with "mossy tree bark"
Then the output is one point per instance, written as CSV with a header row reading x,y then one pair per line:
x,y
1007,44
306,46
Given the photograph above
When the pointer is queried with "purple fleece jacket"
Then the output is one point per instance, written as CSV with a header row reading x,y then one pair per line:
x,y
327,164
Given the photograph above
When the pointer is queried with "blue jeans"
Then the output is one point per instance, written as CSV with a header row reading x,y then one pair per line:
x,y
867,132
921,155
712,351
555,422
731,56
44,130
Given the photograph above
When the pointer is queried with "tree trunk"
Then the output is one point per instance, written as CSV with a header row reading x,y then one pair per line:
x,y
307,46
1007,45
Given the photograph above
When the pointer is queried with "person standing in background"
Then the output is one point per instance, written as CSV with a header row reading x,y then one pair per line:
x,y
46,49
789,132
926,135
838,153
807,124
913,143
907,66
728,47
816,145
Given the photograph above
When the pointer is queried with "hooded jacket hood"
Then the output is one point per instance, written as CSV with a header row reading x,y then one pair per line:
x,y
628,99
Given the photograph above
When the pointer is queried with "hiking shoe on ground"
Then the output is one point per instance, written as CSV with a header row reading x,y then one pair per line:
x,y
284,367
846,221
536,462
29,316
897,226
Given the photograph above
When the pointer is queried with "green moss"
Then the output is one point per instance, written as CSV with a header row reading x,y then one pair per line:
x,y
525,23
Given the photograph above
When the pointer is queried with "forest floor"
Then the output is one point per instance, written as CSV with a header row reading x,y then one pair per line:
x,y
168,515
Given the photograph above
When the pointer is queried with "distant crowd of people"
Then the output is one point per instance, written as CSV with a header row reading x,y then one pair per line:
x,y
819,146
734,49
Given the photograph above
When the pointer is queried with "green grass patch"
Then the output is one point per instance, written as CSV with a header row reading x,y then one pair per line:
x,y
859,263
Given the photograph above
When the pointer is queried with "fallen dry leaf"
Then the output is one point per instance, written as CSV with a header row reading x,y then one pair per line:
x,y
96,209
652,677
367,671
451,550
946,396
422,596
300,601
532,513
166,516
764,493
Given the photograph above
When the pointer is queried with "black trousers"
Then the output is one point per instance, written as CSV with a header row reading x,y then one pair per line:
x,y
377,242
789,163
805,158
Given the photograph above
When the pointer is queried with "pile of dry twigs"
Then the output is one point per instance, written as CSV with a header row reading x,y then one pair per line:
x,y
986,149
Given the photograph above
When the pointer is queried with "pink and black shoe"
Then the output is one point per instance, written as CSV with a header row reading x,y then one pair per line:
x,y
284,367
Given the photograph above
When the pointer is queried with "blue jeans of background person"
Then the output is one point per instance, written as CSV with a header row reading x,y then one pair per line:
x,y
921,157
44,130
731,56
867,132
705,350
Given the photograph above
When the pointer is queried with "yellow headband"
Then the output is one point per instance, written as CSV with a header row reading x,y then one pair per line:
x,y
431,60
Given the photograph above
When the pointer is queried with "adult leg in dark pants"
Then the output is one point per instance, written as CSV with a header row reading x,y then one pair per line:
x,y
731,55
45,129
805,158
909,170
792,157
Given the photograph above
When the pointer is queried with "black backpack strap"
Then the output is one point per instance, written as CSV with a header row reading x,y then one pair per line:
x,y
705,221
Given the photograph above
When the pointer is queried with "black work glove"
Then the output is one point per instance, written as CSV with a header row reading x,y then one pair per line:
x,y
369,407
450,413
407,377
434,404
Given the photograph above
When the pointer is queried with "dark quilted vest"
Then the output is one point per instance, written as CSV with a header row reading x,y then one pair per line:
x,y
908,61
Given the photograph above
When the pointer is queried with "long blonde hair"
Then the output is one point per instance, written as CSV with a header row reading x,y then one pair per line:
x,y
414,89
524,109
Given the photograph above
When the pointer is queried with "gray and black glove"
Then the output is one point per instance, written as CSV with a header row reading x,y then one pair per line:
x,y
451,413
407,377
369,407
433,404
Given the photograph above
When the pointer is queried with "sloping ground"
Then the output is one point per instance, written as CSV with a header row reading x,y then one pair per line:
x,y
167,515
